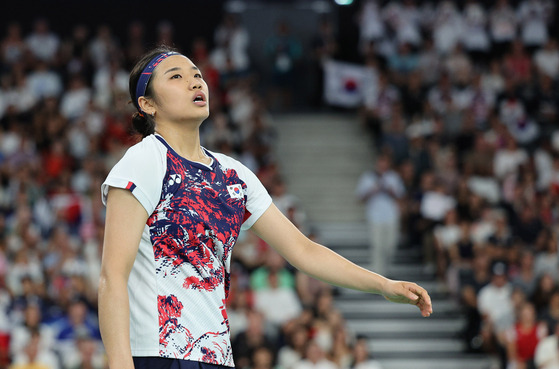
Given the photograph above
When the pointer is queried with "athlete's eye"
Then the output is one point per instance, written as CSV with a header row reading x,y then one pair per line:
x,y
176,76
198,75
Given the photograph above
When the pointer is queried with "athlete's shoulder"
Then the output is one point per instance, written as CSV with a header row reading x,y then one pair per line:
x,y
148,150
227,161
147,144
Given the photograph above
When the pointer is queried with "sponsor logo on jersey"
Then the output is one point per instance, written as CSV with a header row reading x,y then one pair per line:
x,y
175,178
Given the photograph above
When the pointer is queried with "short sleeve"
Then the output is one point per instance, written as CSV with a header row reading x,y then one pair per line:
x,y
141,170
258,199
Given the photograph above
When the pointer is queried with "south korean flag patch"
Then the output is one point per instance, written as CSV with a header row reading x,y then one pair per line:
x,y
236,191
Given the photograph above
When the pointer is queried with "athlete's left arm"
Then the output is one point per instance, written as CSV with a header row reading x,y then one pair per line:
x,y
324,264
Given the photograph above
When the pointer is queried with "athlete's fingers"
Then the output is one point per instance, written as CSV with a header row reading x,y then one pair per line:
x,y
423,300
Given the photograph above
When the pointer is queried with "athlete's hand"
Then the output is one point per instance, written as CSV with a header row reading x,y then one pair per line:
x,y
402,292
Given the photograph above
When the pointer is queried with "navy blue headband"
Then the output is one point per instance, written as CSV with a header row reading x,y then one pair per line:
x,y
146,75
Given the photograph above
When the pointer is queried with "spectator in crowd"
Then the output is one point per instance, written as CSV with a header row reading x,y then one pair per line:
x,y
523,338
294,351
87,354
103,46
546,59
447,28
533,20
35,355
503,26
283,50
64,122
542,294
315,358
42,43
230,54
550,315
362,356
547,354
476,37
277,304
381,189
495,305
254,337
371,25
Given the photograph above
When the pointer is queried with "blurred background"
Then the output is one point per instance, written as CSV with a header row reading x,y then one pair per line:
x,y
418,138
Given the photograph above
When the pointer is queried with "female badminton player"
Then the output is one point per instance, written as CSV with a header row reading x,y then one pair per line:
x,y
174,212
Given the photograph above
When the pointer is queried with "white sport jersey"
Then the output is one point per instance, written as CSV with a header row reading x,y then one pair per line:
x,y
180,279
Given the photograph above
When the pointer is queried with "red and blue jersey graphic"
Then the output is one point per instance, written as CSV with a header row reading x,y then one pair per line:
x,y
193,230
179,281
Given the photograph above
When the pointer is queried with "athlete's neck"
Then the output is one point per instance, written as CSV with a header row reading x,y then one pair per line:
x,y
186,142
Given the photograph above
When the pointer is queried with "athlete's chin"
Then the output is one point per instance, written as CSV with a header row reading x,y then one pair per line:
x,y
200,115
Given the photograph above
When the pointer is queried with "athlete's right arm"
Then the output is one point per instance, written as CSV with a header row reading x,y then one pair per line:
x,y
125,222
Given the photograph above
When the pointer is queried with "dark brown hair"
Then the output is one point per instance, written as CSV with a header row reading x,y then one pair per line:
x,y
142,122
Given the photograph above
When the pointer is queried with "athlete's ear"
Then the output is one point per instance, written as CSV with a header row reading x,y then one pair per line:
x,y
146,105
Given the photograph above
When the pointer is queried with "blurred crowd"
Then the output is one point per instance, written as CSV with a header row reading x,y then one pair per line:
x,y
463,115
65,120
464,120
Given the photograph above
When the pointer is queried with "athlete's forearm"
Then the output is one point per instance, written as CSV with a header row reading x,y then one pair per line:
x,y
328,266
322,263
114,321
313,258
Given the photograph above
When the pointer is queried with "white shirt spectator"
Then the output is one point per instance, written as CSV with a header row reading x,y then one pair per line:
x,y
106,82
507,161
17,271
277,304
532,15
79,142
45,83
447,235
371,25
544,168
502,22
232,42
20,96
74,102
101,47
447,28
486,187
547,353
546,263
381,207
475,35
405,19
481,230
496,303
493,80
44,46
21,335
44,359
435,204
547,59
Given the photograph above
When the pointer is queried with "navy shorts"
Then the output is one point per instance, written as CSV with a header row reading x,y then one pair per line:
x,y
150,362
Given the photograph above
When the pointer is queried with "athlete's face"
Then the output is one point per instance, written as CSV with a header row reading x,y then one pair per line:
x,y
182,94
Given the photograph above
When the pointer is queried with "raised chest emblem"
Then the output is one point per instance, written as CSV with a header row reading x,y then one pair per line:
x,y
235,191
